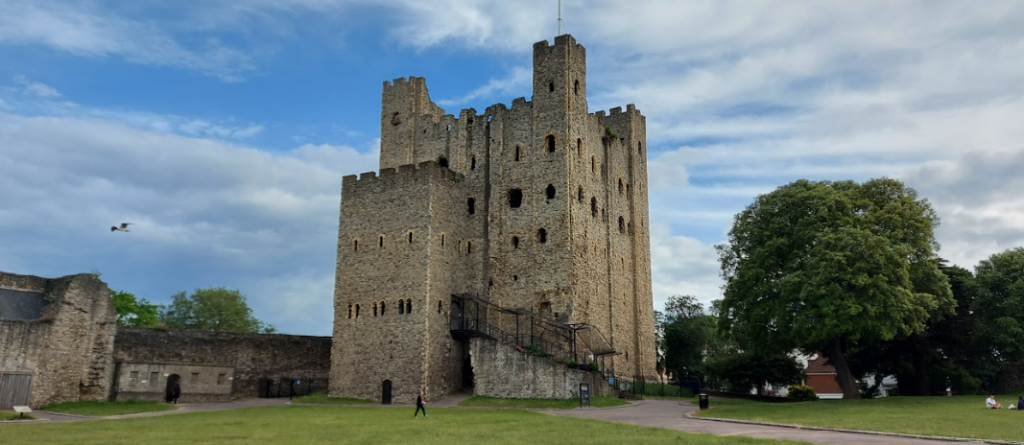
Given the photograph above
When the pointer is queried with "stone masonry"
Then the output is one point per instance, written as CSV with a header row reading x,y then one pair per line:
x,y
539,207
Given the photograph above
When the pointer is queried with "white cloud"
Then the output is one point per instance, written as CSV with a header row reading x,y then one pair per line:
x,y
519,77
38,89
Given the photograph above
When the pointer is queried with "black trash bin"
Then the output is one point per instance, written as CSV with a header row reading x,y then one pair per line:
x,y
703,401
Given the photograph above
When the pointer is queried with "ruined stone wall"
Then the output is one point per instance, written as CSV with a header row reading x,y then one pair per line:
x,y
503,371
68,351
213,366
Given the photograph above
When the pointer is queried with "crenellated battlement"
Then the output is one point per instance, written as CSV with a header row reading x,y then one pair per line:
x,y
402,173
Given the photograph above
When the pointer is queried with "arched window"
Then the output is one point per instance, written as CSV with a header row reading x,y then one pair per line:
x,y
401,308
542,235
440,306
350,310
357,311
355,245
382,306
551,143
576,87
408,306
374,309
579,147
593,207
442,161
550,191
620,186
410,237
515,242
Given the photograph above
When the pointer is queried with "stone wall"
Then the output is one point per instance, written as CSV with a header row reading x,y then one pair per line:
x,y
502,371
213,366
68,350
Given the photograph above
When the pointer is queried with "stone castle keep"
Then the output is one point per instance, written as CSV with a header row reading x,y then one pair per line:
x,y
524,226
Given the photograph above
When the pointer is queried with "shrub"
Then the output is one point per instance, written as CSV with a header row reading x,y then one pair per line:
x,y
536,350
801,392
593,367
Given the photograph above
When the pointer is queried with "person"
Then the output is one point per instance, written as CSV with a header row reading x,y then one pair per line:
x,y
420,404
175,393
1020,402
991,403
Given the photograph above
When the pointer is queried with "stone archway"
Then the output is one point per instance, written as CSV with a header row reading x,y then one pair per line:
x,y
385,393
174,380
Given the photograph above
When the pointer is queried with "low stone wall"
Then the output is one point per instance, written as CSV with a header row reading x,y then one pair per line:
x,y
214,366
502,371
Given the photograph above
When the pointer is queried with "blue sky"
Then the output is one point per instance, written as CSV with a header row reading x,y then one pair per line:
x,y
222,129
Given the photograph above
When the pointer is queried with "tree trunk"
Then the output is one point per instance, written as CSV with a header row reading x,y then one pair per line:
x,y
921,387
843,375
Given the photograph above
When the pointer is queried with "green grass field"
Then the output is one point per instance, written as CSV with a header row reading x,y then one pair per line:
x,y
959,416
315,425
108,408
321,398
11,415
493,402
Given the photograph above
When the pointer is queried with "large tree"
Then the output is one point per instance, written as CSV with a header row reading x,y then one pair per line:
x,y
999,307
133,311
687,335
214,309
826,266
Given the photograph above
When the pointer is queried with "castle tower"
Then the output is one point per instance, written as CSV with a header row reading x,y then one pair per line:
x,y
539,208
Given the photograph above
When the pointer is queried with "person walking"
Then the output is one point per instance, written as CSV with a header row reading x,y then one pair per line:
x,y
175,393
421,404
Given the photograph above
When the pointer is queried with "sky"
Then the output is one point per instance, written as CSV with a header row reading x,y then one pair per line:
x,y
222,129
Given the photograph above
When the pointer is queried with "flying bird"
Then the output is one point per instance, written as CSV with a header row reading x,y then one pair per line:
x,y
123,228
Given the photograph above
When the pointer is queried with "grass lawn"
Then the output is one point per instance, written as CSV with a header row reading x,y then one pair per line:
x,y
958,416
315,425
321,398
494,402
11,415
107,408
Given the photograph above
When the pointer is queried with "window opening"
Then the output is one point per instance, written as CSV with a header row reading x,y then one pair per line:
x,y
576,87
449,127
622,225
551,143
383,306
440,306
593,207
579,194
374,309
550,191
472,163
515,277
542,235
471,206
357,311
469,247
620,186
551,87
593,165
401,307
442,161
350,311
355,245
579,147
408,306
639,148
515,242
442,240
515,198
410,237
517,152
380,242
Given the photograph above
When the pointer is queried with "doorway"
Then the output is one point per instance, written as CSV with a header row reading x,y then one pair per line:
x,y
385,393
173,381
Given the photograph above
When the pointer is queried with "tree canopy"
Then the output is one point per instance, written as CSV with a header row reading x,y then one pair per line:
x,y
133,312
214,309
1000,306
824,266
688,333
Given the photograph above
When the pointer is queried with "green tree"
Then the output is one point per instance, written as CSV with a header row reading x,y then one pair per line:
x,y
214,309
999,307
828,266
133,312
755,369
687,335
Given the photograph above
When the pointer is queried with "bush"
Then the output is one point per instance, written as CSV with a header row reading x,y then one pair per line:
x,y
801,392
594,367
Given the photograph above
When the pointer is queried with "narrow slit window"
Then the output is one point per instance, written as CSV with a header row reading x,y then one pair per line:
x,y
593,165
442,240
442,161
576,87
639,148
383,306
579,147
515,198
357,311
374,309
401,308
551,143
579,194
469,247
472,163
471,206
622,225
620,186
408,306
355,245
380,242
350,311
593,207
515,242
440,306
551,87
542,236
410,237
517,153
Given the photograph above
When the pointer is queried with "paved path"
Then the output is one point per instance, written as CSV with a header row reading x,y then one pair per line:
x,y
671,414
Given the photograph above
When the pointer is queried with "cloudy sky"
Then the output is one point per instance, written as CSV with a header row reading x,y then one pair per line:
x,y
222,128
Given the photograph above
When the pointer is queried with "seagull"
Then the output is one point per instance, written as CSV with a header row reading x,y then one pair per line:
x,y
123,228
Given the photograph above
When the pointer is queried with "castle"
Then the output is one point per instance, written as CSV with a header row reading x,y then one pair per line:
x,y
520,228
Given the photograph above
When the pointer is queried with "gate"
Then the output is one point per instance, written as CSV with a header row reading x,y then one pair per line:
x,y
385,393
15,390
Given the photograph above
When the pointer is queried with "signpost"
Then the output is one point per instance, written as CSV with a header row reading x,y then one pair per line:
x,y
584,394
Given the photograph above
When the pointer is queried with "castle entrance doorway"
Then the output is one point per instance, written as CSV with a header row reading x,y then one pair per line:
x,y
385,393
173,387
467,369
